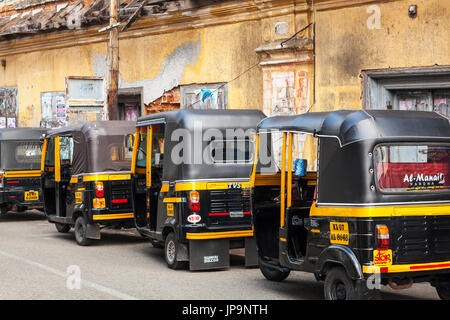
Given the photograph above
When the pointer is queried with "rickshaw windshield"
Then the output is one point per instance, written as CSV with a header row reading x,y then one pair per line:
x,y
413,168
21,155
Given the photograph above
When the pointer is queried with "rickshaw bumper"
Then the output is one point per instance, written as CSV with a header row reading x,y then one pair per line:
x,y
17,197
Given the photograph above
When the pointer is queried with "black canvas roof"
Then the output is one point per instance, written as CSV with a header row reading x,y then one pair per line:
x,y
92,143
217,119
353,125
22,133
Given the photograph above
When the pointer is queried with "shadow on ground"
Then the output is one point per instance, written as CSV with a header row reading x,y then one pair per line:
x,y
29,215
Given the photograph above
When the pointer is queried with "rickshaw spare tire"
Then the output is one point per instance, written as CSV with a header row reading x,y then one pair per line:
x,y
171,251
443,292
80,232
273,274
62,228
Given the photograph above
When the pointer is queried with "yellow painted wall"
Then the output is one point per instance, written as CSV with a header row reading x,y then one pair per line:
x,y
345,46
212,54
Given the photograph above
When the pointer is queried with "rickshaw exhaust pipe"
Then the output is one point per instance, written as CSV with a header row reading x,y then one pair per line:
x,y
402,286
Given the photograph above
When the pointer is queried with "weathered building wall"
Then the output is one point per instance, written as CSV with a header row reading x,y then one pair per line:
x,y
237,45
375,35
157,63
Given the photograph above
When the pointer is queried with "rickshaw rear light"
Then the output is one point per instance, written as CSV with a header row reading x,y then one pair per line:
x,y
99,190
194,200
382,236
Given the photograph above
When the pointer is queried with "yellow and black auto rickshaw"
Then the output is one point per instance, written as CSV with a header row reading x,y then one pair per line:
x,y
372,209
20,157
190,173
86,178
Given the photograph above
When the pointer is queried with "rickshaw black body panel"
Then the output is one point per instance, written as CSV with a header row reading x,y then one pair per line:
x,y
224,218
348,193
92,163
18,175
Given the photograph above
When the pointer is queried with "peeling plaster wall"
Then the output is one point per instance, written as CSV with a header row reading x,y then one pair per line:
x,y
346,45
157,63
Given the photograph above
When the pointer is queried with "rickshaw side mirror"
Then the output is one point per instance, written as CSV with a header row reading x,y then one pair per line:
x,y
129,141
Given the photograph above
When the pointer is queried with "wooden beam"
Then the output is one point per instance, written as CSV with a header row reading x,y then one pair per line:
x,y
134,15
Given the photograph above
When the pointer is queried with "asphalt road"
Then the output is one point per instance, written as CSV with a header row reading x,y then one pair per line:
x,y
37,262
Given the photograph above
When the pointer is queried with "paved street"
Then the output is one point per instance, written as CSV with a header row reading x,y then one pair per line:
x,y
34,260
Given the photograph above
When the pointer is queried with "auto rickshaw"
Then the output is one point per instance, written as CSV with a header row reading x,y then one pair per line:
x,y
190,180
372,209
20,155
85,174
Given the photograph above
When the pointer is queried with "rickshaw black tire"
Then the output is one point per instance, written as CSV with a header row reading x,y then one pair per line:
x,y
273,274
171,252
62,228
80,232
339,286
443,292
4,210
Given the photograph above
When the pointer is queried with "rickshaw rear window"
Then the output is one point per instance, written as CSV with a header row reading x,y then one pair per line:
x,y
28,152
413,168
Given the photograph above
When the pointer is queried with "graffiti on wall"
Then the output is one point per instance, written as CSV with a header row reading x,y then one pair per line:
x,y
8,107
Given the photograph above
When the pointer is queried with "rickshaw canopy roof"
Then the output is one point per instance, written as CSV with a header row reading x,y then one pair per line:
x,y
214,119
354,125
192,121
13,138
22,133
92,143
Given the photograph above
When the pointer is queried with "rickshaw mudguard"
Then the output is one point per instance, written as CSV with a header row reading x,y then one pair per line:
x,y
336,254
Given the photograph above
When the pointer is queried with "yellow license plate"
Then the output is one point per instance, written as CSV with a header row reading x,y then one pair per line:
x,y
31,196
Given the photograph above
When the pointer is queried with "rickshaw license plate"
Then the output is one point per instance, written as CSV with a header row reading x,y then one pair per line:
x,y
31,196
339,232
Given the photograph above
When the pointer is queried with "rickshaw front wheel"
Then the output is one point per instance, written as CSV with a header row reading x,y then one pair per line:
x,y
62,228
273,274
443,292
81,231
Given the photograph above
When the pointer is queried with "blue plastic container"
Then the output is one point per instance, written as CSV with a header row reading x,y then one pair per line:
x,y
300,167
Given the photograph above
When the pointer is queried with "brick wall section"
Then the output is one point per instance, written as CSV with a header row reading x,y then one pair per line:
x,y
170,100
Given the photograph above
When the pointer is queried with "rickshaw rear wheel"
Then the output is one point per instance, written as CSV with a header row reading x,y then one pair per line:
x,y
80,232
339,286
62,228
273,274
4,209
171,251
443,292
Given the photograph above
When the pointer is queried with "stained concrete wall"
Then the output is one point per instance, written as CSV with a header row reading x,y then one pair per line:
x,y
157,63
348,41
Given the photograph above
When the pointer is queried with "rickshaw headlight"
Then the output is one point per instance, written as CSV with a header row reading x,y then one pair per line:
x,y
194,200
99,190
382,236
